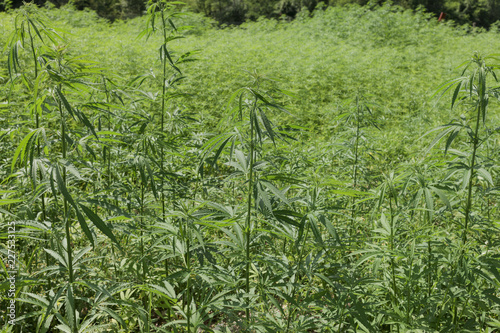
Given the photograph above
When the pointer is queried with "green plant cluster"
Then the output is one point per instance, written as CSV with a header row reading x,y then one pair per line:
x,y
335,173
109,9
481,13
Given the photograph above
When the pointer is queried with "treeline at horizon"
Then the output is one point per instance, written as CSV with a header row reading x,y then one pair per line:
x,y
480,13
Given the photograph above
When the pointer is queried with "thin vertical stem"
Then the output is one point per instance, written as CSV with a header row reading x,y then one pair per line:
x,y
294,290
431,265
65,212
162,156
355,176
356,146
146,302
37,125
162,153
188,265
393,268
472,165
107,160
107,151
249,208
141,221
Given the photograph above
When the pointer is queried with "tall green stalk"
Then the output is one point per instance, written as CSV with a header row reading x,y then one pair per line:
x,y
356,157
107,160
481,108
157,10
67,221
249,209
162,127
294,290
391,246
188,266
143,262
163,86
38,148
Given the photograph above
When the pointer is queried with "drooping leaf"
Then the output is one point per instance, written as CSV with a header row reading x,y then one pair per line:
x,y
100,224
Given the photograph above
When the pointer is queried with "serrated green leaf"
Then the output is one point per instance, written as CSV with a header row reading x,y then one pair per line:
x,y
100,224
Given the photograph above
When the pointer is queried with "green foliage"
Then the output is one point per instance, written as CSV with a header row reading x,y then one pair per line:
x,y
280,182
480,13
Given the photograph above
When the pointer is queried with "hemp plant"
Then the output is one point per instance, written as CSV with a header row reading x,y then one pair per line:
x,y
59,77
423,192
475,92
473,89
30,34
160,15
359,115
159,19
252,106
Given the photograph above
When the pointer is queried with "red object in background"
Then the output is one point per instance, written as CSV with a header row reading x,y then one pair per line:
x,y
441,16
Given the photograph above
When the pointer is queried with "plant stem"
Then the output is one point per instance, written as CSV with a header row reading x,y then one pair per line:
x,y
393,269
162,126
141,221
299,260
162,156
188,265
66,217
472,165
355,176
107,159
37,125
249,209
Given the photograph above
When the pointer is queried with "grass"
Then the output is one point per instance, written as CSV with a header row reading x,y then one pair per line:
x,y
305,176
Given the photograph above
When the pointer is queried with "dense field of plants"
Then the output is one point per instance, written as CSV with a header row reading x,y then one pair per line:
x,y
337,173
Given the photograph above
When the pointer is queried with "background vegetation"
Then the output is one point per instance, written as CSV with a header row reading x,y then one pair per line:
x,y
482,13
335,173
